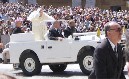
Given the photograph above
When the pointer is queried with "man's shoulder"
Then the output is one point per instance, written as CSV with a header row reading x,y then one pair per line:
x,y
103,45
52,29
102,49
104,42
67,28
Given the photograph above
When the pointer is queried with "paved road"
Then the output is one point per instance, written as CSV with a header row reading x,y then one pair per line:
x,y
72,72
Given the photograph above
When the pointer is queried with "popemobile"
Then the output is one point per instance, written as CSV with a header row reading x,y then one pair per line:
x,y
29,53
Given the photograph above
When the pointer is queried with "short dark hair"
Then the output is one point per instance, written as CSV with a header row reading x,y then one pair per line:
x,y
56,22
107,28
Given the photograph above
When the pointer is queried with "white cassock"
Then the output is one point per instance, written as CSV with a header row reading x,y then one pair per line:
x,y
39,27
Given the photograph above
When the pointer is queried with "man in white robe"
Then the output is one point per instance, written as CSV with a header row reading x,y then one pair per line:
x,y
38,25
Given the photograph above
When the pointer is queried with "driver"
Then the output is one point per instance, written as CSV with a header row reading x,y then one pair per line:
x,y
55,33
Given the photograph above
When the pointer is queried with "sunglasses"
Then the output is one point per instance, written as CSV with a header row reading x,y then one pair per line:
x,y
117,30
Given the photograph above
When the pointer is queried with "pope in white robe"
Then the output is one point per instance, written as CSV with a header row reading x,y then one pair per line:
x,y
38,25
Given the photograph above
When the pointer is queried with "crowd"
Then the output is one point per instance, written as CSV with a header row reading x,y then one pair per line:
x,y
87,19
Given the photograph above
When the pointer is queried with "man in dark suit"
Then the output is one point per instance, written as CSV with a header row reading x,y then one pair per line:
x,y
109,62
70,29
55,33
18,28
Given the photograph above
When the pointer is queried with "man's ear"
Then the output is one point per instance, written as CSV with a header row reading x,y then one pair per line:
x,y
108,32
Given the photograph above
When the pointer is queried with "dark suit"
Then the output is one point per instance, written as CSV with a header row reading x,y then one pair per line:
x,y
106,64
54,34
69,31
17,30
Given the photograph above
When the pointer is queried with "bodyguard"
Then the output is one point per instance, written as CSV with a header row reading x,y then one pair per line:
x,y
109,62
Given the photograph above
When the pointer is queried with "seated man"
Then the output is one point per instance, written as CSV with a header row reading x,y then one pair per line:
x,y
55,33
70,29
18,28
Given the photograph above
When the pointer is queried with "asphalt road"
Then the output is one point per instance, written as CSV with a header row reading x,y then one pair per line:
x,y
72,72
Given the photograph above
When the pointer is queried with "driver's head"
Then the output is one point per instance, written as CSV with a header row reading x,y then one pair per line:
x,y
56,24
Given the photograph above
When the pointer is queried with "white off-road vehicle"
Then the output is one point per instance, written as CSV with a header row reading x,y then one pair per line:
x,y
31,54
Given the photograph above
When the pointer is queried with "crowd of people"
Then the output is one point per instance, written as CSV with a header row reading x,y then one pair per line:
x,y
87,19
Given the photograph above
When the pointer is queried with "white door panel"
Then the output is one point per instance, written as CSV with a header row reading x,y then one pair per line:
x,y
58,49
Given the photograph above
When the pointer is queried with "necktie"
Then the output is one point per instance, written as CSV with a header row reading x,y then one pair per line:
x,y
115,50
58,31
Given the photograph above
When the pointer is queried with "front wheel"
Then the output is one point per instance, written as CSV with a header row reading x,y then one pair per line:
x,y
58,67
30,64
86,61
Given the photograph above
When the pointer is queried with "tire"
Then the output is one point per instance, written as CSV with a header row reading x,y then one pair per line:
x,y
86,60
58,67
30,64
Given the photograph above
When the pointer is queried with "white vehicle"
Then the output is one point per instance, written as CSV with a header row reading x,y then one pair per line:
x,y
31,54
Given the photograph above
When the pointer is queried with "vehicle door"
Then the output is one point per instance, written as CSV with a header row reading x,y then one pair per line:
x,y
58,49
